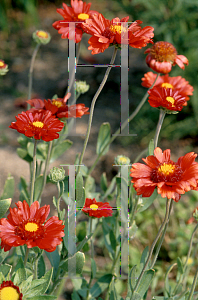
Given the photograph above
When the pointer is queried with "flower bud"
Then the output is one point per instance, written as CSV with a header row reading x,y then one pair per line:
x,y
41,37
122,160
3,68
195,214
57,174
81,87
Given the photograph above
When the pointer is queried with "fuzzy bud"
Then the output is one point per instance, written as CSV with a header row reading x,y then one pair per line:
x,y
57,174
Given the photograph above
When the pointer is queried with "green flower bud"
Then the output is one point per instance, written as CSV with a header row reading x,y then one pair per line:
x,y
81,87
122,160
195,214
41,37
3,68
57,174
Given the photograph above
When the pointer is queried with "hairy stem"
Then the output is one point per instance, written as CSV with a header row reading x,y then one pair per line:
x,y
33,173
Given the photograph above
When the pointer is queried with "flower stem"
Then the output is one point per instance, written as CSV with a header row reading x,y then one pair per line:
x,y
193,285
162,237
93,104
31,72
26,256
159,126
187,258
45,170
33,173
154,243
123,125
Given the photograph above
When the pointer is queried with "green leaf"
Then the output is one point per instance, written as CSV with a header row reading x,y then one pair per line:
x,y
147,201
59,149
3,255
54,259
4,206
38,186
103,182
41,267
113,240
136,296
19,276
80,193
110,189
104,137
22,153
179,265
132,277
101,284
132,230
75,296
151,147
83,242
76,263
25,285
145,282
144,257
39,286
93,268
24,195
5,269
8,190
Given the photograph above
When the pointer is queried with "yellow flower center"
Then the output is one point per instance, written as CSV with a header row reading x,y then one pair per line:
x,y
42,34
83,16
167,85
38,124
57,103
123,160
31,227
94,206
1,64
9,293
163,52
117,28
171,100
166,169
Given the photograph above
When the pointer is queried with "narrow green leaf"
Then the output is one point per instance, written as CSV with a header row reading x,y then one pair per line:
x,y
38,186
110,189
76,263
54,259
145,282
75,296
5,269
93,268
101,284
103,138
136,296
9,186
179,265
167,285
41,267
113,240
132,278
144,257
4,206
151,147
59,149
39,286
24,195
103,182
3,255
83,242
80,194
147,201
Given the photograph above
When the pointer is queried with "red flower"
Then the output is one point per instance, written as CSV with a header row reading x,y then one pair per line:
x,y
105,33
59,108
78,12
40,125
171,179
162,56
27,226
167,99
97,209
175,83
10,291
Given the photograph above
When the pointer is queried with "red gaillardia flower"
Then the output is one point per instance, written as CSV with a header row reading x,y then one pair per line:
x,y
106,33
78,12
162,56
40,125
59,108
175,83
167,99
10,291
97,209
27,225
171,179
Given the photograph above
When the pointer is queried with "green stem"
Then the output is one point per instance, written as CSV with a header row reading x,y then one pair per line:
x,y
159,125
153,244
59,198
31,72
93,104
187,258
193,285
162,237
33,173
92,256
45,170
26,256
123,125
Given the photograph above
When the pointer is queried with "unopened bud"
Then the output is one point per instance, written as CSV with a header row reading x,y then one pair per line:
x,y
3,68
81,87
57,174
41,37
122,160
